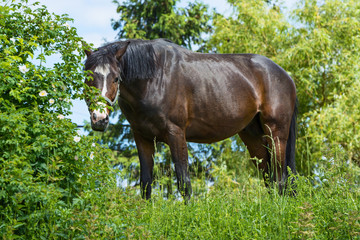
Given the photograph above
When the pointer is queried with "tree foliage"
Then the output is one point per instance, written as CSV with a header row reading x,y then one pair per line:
x,y
162,19
329,78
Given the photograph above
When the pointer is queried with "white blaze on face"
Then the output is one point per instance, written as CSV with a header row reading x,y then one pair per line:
x,y
100,114
103,70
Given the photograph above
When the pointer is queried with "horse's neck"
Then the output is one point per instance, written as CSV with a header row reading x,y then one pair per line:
x,y
131,92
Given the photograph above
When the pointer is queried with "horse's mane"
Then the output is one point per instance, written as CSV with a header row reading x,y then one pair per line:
x,y
138,62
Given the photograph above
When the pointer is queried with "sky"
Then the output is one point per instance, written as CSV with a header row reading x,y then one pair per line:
x,y
92,19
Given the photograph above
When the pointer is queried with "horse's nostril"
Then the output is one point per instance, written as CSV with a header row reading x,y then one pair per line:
x,y
94,116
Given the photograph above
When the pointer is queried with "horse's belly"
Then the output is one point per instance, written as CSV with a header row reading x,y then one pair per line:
x,y
221,119
214,131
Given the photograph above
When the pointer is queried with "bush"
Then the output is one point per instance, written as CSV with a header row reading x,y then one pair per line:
x,y
48,172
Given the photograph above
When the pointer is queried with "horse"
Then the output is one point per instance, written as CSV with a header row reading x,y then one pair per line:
x,y
173,95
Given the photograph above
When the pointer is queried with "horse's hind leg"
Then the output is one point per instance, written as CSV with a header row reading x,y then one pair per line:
x,y
256,143
277,131
146,150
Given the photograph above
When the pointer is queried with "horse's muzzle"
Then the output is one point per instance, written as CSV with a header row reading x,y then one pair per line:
x,y
99,121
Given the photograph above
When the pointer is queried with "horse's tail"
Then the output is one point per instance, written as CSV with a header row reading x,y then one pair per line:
x,y
290,145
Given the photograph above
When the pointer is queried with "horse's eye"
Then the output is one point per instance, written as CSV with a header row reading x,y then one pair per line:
x,y
116,79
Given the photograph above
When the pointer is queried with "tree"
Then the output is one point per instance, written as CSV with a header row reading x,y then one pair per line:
x,y
327,58
162,19
48,173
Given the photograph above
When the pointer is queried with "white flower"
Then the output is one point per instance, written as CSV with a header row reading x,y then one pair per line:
x,y
23,69
67,25
60,116
31,17
92,155
43,93
93,144
77,139
51,101
76,158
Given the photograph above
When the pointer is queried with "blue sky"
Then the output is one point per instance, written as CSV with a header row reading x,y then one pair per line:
x,y
92,19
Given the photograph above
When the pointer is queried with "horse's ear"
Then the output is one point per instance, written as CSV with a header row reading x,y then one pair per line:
x,y
88,52
86,48
121,51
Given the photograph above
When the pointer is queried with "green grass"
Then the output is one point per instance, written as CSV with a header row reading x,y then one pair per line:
x,y
226,212
324,208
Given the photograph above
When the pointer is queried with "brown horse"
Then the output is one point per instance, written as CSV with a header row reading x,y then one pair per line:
x,y
173,95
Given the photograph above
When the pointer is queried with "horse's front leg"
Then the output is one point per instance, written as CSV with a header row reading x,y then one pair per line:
x,y
146,150
179,153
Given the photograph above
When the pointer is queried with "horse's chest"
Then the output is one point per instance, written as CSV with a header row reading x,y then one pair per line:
x,y
147,120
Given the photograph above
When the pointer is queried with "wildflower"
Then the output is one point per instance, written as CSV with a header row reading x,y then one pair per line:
x,y
60,116
23,69
76,158
93,144
67,25
43,93
92,155
77,139
51,101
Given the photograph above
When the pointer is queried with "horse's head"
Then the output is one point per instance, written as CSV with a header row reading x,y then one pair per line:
x,y
104,74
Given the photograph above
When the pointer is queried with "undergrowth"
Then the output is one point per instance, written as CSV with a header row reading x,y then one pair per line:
x,y
224,211
323,208
326,212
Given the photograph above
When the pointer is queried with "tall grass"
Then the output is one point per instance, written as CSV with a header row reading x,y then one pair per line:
x,y
326,206
326,212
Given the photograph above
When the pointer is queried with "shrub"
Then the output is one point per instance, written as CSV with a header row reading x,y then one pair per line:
x,y
48,172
